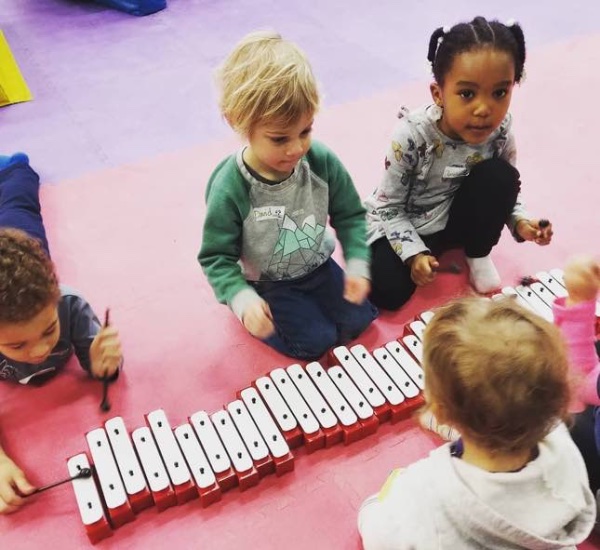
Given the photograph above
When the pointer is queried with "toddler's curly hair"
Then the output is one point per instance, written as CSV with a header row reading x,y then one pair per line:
x,y
28,281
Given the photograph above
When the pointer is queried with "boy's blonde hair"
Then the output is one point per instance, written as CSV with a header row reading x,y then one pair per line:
x,y
497,372
28,281
266,79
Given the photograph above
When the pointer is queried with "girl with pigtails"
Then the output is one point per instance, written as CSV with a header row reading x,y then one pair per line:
x,y
450,178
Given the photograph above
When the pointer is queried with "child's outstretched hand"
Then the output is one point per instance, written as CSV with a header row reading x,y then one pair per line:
x,y
422,268
356,289
258,320
532,230
582,279
13,484
105,353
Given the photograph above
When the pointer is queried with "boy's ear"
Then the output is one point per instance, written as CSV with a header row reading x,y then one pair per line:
x,y
436,94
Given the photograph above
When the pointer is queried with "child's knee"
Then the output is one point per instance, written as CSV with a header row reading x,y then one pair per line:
x,y
361,318
500,176
308,344
315,343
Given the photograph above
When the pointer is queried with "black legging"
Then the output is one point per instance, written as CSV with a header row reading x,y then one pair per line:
x,y
478,213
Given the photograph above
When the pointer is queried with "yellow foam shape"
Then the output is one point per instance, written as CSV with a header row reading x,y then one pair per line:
x,y
13,88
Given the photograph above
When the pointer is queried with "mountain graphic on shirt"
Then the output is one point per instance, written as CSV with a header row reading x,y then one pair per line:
x,y
295,249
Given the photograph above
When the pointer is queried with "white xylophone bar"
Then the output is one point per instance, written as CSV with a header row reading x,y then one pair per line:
x,y
355,398
280,410
214,449
413,344
426,316
351,427
278,447
238,454
407,361
512,293
88,501
399,407
154,469
113,490
314,438
552,284
399,375
206,482
394,383
544,293
362,381
417,328
253,440
177,469
538,305
320,408
129,466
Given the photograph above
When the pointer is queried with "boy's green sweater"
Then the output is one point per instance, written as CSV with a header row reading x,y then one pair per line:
x,y
257,231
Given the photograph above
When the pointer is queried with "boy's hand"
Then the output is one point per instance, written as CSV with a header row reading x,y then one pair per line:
x,y
530,230
582,279
105,352
258,320
422,268
356,289
13,484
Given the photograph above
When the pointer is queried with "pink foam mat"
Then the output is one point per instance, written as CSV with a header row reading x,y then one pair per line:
x,y
127,238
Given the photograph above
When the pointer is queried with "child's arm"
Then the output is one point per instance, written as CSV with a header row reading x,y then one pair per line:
x,y
105,353
575,316
220,254
258,320
347,217
533,230
391,197
98,348
13,484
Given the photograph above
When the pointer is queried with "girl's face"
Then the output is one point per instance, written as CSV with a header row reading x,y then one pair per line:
x,y
475,95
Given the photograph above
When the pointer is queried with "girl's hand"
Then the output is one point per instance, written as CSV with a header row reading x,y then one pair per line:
x,y
422,268
582,279
258,320
356,289
105,353
13,484
530,230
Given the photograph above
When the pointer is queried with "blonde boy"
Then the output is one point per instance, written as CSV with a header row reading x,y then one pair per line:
x,y
266,250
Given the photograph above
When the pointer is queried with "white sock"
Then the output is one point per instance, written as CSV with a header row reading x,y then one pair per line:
x,y
483,274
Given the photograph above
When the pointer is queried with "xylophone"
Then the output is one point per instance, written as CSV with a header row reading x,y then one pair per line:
x,y
254,435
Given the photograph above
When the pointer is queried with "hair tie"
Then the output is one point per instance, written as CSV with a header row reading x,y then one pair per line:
x,y
446,29
437,48
511,23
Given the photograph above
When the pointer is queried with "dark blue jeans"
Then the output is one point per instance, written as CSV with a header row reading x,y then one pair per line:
x,y
311,315
20,201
